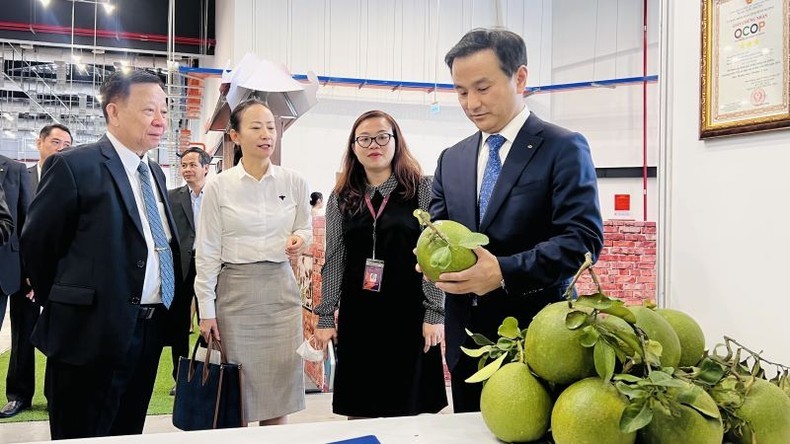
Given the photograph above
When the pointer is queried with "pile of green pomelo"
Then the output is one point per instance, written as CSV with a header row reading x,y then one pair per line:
x,y
593,370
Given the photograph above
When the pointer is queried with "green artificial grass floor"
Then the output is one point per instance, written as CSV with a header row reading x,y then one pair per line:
x,y
161,401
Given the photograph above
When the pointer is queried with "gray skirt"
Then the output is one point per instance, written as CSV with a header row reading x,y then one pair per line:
x,y
259,316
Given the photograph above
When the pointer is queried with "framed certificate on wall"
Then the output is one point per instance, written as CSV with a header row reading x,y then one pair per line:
x,y
745,66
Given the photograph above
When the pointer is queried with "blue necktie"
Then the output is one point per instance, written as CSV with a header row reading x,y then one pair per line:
x,y
158,232
491,174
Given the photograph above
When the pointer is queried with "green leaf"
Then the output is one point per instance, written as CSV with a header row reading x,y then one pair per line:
x,y
604,359
693,397
710,372
478,338
505,344
598,301
621,312
473,240
661,379
575,319
637,415
509,328
631,392
487,371
626,377
627,339
653,351
476,352
589,336
441,258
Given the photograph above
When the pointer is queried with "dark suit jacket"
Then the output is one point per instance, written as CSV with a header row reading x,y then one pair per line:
x,y
85,253
33,172
18,194
181,205
542,218
6,222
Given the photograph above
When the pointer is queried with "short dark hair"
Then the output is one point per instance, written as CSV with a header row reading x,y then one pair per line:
x,y
47,130
203,156
117,86
315,196
508,46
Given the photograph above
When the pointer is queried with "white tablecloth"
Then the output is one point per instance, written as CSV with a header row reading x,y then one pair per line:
x,y
433,429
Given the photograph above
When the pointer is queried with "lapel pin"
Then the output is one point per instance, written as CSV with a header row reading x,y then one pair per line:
x,y
529,146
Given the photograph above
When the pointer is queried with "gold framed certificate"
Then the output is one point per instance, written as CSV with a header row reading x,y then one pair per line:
x,y
745,66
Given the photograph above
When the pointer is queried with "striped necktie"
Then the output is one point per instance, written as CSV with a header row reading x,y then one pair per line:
x,y
160,239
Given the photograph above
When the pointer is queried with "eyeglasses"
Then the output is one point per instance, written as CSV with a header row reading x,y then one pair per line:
x,y
381,140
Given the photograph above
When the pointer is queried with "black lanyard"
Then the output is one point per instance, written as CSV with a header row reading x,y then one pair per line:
x,y
375,216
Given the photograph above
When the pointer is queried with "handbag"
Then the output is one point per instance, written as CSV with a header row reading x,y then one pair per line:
x,y
208,395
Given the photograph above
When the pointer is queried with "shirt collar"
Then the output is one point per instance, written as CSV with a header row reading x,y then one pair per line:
x,y
385,188
241,173
510,131
129,158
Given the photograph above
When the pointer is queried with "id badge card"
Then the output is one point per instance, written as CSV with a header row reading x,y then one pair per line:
x,y
374,270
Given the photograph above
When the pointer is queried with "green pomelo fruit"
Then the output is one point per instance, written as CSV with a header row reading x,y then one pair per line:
x,y
589,411
690,426
553,351
692,339
659,330
460,258
515,405
766,411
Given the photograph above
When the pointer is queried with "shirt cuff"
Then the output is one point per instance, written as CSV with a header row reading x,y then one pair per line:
x,y
434,317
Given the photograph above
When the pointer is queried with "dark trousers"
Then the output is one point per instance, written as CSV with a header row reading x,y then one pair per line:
x,y
466,396
21,378
180,346
106,398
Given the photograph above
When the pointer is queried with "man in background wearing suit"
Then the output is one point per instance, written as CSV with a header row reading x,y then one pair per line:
x,y
185,203
21,377
18,194
52,139
100,246
527,184
6,222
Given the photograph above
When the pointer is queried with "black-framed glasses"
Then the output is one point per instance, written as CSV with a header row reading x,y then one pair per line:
x,y
381,140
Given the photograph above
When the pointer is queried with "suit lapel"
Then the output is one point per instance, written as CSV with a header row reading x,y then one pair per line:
x,y
33,171
3,168
118,173
186,204
524,147
161,186
468,170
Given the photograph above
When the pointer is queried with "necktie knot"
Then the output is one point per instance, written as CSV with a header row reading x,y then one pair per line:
x,y
142,167
495,142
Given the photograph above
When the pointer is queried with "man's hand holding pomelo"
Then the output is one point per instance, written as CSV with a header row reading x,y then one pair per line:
x,y
483,277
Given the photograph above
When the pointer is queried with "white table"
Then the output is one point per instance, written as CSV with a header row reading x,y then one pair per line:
x,y
433,429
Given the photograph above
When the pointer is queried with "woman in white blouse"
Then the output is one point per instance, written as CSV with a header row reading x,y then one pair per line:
x,y
253,217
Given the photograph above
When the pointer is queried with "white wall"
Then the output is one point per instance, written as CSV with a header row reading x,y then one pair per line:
x,y
407,39
723,234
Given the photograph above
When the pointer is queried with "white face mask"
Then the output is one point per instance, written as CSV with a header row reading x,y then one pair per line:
x,y
308,353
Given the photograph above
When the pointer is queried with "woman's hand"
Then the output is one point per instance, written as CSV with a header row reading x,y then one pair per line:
x,y
433,334
294,246
323,336
208,327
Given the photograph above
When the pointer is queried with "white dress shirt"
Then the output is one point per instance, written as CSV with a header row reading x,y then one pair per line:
x,y
153,282
509,132
244,220
196,202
